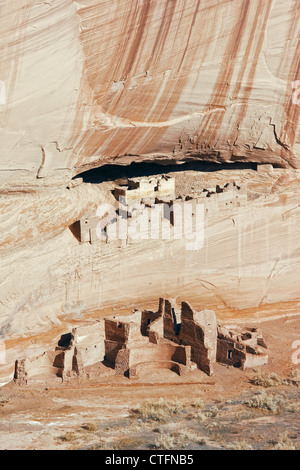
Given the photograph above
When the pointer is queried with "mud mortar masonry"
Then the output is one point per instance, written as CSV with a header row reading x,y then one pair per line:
x,y
177,339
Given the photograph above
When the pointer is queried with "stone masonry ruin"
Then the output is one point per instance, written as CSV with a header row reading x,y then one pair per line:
x,y
181,340
152,202
241,348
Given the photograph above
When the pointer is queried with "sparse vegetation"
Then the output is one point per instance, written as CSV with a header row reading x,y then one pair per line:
x,y
199,403
201,416
158,411
213,412
165,442
162,424
295,377
128,443
284,443
90,427
201,442
241,445
102,445
271,403
188,436
203,413
68,437
262,379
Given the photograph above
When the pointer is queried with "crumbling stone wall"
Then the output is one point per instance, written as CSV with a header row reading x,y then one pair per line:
x,y
155,331
170,322
139,188
86,348
241,348
88,229
199,330
127,347
148,318
122,363
179,339
42,365
163,353
111,351
123,332
89,340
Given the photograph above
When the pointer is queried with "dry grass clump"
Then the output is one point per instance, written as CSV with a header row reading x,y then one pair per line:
x,y
128,443
90,427
160,410
295,377
266,380
213,412
188,436
198,403
68,437
284,443
102,445
201,416
165,442
296,374
241,445
274,404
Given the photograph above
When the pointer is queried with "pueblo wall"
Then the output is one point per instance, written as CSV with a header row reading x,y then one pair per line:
x,y
169,338
193,328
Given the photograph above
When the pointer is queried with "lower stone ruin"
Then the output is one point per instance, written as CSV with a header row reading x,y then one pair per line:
x,y
181,340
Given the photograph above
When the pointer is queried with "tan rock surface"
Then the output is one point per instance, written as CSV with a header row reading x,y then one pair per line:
x,y
90,82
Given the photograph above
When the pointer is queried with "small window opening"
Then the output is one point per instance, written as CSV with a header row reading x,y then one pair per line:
x,y
177,326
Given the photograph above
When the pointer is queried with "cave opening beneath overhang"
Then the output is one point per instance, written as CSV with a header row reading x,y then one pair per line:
x,y
114,172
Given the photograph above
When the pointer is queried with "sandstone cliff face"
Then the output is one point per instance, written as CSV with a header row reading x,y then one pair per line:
x,y
96,81
87,83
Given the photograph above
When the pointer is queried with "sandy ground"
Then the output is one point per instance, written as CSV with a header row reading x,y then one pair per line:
x,y
52,415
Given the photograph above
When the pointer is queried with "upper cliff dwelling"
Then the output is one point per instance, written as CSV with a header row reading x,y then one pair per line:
x,y
134,190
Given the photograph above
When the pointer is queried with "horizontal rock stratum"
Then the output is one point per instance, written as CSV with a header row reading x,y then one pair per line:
x,y
90,82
